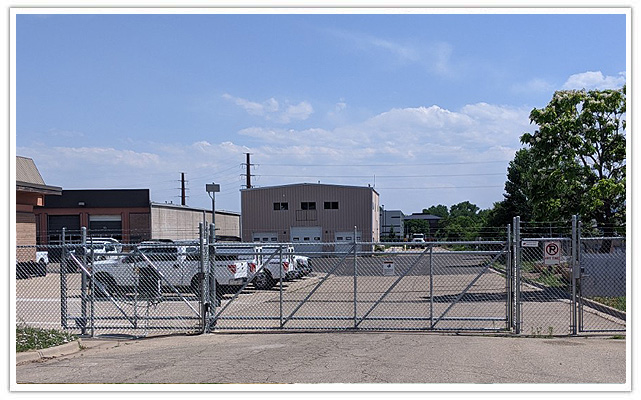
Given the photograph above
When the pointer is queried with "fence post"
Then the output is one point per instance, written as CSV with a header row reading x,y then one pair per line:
x,y
63,280
580,274
83,282
203,278
508,281
573,276
280,294
517,283
211,268
355,280
431,288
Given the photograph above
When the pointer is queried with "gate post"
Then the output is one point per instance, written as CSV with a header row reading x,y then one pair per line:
x,y
280,289
211,268
573,321
203,278
83,282
517,274
508,281
431,287
63,281
355,280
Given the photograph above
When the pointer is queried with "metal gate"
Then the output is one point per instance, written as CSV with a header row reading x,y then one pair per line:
x,y
141,292
449,286
568,284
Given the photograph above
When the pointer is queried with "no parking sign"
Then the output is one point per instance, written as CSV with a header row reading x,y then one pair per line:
x,y
552,253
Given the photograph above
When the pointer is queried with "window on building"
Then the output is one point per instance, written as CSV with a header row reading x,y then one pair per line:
x,y
280,206
331,205
308,205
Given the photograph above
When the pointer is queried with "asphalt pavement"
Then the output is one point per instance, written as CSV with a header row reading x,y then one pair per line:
x,y
336,357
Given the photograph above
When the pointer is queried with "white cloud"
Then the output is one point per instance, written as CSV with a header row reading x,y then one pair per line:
x,y
271,107
594,80
439,141
300,112
435,56
254,108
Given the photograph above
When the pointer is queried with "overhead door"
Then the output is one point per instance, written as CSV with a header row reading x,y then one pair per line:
x,y
307,238
265,237
106,225
345,239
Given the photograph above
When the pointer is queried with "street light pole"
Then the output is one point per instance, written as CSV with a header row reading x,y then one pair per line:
x,y
212,189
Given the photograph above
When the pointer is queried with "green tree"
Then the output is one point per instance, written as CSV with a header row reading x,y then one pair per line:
x,y
577,158
439,211
417,226
516,197
464,209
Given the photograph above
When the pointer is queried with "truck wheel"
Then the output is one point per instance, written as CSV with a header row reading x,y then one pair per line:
x,y
263,280
109,285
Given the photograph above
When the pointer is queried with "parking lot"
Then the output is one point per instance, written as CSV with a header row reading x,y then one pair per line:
x,y
340,357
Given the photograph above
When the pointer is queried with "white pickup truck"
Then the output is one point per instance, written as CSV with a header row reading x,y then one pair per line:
x,y
274,268
173,266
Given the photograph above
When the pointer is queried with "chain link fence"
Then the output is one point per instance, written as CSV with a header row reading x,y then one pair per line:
x,y
538,281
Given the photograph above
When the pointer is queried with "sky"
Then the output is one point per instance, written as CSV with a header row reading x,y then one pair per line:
x,y
426,108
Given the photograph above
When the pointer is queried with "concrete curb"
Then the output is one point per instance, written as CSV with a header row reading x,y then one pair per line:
x,y
57,351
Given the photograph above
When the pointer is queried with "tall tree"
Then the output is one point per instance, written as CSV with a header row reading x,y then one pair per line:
x,y
439,211
577,157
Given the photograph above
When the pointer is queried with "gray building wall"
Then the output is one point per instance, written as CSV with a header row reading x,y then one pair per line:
x,y
357,206
392,219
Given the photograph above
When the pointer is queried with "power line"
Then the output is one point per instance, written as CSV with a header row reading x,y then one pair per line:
x,y
438,187
379,176
386,165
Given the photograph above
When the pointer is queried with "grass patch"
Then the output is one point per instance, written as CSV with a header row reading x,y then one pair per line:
x,y
28,338
550,279
614,302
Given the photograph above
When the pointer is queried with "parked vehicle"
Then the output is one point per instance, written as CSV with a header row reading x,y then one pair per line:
x,y
418,238
274,268
303,265
174,266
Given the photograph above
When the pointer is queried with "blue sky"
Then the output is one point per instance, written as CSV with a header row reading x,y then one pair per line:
x,y
428,108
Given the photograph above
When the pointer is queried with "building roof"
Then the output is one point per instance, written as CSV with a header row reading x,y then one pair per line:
x,y
28,178
181,207
311,184
27,172
422,216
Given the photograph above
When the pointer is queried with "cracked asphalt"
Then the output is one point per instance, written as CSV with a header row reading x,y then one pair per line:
x,y
343,357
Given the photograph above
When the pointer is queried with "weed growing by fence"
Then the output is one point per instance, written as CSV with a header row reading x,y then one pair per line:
x,y
29,338
614,302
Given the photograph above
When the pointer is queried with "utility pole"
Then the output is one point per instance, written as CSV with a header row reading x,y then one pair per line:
x,y
182,189
248,175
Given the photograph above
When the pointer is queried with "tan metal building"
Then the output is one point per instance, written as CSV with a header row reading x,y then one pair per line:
x,y
310,213
30,192
173,221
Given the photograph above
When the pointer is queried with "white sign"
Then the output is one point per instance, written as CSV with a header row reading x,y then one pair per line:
x,y
388,268
552,253
530,243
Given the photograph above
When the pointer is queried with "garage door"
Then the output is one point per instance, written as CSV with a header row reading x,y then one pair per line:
x,y
347,238
106,226
307,238
265,237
